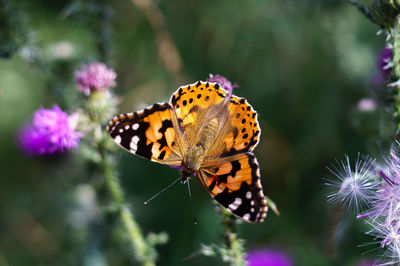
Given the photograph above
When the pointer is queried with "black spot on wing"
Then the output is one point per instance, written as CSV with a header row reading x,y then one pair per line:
x,y
177,96
254,167
235,167
165,125
221,94
144,149
212,185
162,155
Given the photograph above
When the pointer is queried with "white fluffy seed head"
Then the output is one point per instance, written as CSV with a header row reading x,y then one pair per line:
x,y
353,187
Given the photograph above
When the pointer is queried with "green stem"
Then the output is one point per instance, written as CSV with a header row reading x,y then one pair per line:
x,y
234,244
143,252
395,33
396,50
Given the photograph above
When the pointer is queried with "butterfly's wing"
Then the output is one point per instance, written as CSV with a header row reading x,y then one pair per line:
x,y
230,173
239,130
149,133
235,183
195,105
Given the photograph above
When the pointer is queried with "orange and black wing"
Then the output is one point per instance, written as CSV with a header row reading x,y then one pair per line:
x,y
149,133
239,132
235,183
195,105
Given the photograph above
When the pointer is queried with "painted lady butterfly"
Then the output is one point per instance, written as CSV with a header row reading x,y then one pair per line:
x,y
207,132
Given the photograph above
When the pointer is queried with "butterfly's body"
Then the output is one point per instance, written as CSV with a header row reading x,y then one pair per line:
x,y
194,157
207,132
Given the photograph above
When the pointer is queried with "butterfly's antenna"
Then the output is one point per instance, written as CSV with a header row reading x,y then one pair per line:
x,y
164,189
191,201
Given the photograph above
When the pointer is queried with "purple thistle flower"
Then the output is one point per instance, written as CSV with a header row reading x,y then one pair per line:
x,y
382,196
383,64
95,77
385,217
354,188
224,82
51,131
388,236
268,257
384,67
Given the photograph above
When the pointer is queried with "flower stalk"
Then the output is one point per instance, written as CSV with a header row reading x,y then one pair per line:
x,y
143,252
395,38
94,81
235,252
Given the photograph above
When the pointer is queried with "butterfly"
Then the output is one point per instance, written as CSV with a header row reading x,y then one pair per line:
x,y
207,132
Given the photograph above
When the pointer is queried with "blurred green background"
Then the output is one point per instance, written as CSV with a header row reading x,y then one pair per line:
x,y
303,65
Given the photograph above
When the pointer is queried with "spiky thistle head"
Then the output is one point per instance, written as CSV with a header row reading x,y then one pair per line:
x,y
384,218
352,187
95,77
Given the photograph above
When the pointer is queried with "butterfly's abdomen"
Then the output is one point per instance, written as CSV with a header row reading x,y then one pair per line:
x,y
195,154
208,134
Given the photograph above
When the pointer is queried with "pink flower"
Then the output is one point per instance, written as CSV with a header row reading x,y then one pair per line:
x,y
268,257
224,82
50,132
95,77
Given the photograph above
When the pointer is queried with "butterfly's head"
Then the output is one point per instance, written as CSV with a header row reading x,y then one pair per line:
x,y
187,173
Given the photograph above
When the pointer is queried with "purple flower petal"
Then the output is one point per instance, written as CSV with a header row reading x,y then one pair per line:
x,y
95,77
224,82
268,257
383,63
50,132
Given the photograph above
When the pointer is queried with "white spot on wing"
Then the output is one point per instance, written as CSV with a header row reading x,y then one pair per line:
x,y
133,144
234,205
135,126
246,217
238,201
248,195
121,130
126,127
117,139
